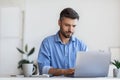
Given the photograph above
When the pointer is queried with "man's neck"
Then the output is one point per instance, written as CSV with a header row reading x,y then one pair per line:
x,y
63,39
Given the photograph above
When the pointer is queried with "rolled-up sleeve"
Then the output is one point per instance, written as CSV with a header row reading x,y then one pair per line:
x,y
46,69
44,58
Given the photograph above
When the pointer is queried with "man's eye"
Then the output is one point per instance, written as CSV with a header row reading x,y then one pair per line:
x,y
74,25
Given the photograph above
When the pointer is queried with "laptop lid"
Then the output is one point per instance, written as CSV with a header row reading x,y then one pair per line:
x,y
92,64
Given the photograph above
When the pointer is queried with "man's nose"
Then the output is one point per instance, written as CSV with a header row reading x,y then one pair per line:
x,y
70,28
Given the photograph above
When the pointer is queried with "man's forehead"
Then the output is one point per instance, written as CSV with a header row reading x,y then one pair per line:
x,y
67,18
70,21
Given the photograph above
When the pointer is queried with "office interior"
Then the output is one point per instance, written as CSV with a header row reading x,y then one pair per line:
x,y
30,21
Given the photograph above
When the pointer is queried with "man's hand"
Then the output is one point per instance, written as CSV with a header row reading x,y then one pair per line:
x,y
68,72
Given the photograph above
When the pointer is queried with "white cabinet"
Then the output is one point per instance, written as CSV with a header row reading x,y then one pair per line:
x,y
10,38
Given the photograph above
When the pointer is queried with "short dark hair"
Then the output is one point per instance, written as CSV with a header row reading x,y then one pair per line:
x,y
69,13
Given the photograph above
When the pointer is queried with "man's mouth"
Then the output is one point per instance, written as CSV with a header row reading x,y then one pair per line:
x,y
69,32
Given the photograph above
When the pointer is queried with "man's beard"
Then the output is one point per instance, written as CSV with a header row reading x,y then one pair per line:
x,y
66,34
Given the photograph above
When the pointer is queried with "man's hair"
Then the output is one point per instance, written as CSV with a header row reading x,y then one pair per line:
x,y
69,13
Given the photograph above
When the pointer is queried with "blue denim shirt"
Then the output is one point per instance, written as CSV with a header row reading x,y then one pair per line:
x,y
53,53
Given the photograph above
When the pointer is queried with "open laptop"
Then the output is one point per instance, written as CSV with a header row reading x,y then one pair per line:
x,y
92,64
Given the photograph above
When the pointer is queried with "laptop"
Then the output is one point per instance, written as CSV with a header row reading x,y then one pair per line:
x,y
92,64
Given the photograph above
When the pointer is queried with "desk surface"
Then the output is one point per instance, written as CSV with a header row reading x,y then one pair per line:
x,y
56,78
19,77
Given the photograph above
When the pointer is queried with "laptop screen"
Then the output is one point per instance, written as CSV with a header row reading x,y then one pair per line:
x,y
92,64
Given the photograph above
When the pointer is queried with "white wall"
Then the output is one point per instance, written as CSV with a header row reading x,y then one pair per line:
x,y
10,35
99,25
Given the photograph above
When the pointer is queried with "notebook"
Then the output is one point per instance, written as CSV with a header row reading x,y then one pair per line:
x,y
92,64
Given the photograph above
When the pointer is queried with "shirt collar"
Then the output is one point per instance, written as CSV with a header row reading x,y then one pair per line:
x,y
57,38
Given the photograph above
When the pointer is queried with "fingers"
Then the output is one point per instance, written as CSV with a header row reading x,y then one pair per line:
x,y
69,71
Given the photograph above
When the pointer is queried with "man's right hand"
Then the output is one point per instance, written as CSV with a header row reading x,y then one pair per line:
x,y
68,72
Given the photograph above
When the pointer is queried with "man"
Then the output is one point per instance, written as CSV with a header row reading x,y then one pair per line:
x,y
57,53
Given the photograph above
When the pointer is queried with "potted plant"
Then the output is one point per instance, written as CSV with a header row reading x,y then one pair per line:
x,y
25,63
116,71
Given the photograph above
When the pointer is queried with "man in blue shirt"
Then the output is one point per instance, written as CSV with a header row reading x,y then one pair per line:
x,y
57,54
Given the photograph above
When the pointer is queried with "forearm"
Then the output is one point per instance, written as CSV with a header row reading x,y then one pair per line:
x,y
58,72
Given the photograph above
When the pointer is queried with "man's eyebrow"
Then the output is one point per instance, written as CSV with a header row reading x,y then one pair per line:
x,y
74,25
67,24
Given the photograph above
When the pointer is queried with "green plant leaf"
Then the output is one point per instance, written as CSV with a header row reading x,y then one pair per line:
x,y
23,61
26,48
20,66
116,63
21,51
31,51
28,53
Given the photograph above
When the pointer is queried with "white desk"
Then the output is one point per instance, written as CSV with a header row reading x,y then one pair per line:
x,y
54,78
57,78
